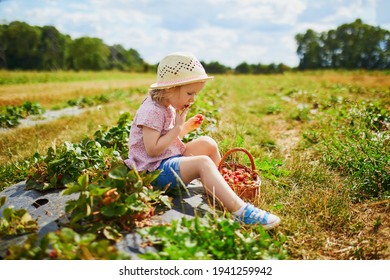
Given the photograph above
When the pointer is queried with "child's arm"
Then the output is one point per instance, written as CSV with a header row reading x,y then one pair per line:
x,y
155,143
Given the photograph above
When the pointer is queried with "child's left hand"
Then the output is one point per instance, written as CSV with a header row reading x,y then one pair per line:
x,y
194,122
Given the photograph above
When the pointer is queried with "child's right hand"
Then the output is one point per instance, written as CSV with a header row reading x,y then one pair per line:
x,y
181,117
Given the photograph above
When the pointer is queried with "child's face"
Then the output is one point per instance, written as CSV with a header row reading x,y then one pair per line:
x,y
184,96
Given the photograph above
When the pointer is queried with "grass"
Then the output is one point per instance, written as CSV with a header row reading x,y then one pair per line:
x,y
292,124
35,77
315,200
57,92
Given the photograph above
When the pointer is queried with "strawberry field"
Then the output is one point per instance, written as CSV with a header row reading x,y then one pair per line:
x,y
320,147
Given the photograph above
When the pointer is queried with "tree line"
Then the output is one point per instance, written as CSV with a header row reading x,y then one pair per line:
x,y
25,47
215,67
350,46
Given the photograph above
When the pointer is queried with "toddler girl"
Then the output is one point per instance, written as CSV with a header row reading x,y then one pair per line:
x,y
160,123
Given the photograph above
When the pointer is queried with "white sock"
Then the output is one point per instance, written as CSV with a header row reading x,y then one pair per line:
x,y
240,211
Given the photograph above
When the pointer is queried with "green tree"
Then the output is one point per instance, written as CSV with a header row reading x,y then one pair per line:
x,y
243,68
53,49
350,46
127,60
214,67
309,50
331,52
117,58
88,53
134,60
22,44
3,60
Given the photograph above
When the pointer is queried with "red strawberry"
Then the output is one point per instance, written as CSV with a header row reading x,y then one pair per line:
x,y
199,118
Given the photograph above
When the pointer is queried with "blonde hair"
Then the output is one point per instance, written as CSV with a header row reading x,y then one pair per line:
x,y
160,95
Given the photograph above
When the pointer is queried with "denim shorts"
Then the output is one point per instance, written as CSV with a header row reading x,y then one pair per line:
x,y
168,168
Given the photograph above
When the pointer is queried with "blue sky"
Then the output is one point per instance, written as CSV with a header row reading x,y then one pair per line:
x,y
228,31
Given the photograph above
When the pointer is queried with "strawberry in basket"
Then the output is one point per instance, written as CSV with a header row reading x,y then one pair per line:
x,y
243,180
237,177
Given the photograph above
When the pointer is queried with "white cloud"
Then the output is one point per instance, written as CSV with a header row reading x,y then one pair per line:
x,y
228,31
276,12
350,12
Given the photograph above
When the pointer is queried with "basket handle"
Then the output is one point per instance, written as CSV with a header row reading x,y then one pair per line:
x,y
228,153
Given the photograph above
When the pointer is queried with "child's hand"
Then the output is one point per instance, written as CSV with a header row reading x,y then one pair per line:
x,y
195,122
181,117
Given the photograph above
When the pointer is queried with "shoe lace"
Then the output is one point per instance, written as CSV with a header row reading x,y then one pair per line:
x,y
257,214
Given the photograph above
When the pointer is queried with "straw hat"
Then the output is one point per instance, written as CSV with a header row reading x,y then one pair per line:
x,y
178,69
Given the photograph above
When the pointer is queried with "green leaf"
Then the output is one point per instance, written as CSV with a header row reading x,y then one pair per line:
x,y
75,218
3,199
111,233
96,190
150,177
119,173
7,213
57,162
83,180
88,210
72,188
87,238
114,210
166,200
25,217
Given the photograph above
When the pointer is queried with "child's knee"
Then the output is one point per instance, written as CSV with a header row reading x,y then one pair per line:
x,y
201,162
209,142
194,166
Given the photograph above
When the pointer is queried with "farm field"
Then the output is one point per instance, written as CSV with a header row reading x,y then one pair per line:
x,y
321,143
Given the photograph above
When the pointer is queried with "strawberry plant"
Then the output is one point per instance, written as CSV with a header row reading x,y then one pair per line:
x,y
211,238
31,108
10,115
15,222
271,169
83,102
116,137
65,244
113,204
65,164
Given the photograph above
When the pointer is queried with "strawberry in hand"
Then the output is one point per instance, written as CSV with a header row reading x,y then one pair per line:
x,y
193,123
199,119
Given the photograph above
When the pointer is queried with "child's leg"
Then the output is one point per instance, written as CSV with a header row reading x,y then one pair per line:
x,y
201,159
203,146
203,167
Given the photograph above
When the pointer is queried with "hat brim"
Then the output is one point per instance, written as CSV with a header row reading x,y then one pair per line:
x,y
181,83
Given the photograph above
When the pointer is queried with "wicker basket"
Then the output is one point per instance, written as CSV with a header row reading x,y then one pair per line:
x,y
250,187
